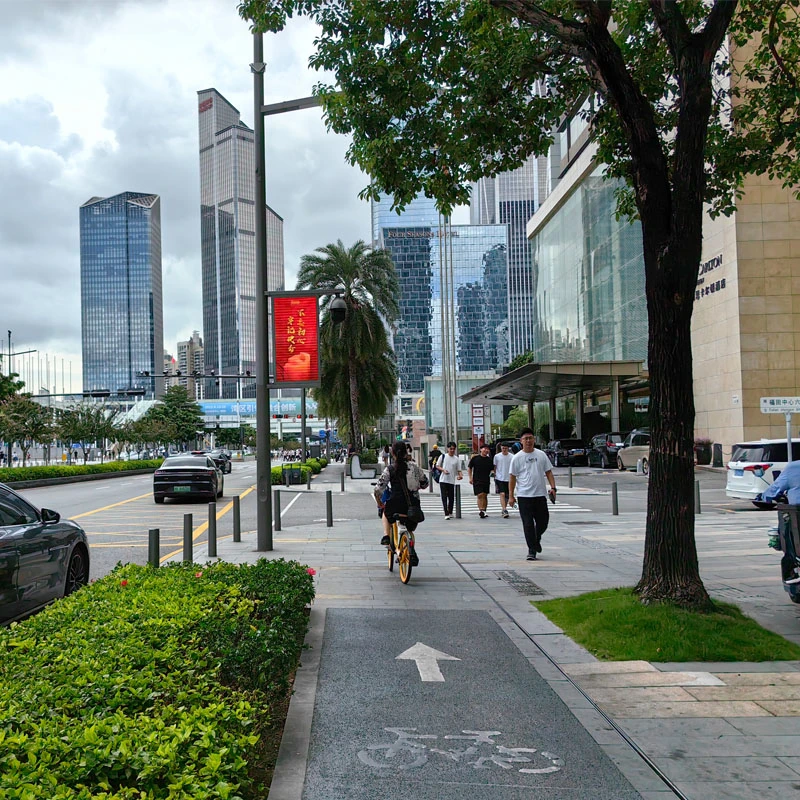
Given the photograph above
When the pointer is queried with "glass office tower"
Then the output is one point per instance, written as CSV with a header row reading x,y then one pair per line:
x,y
121,307
228,246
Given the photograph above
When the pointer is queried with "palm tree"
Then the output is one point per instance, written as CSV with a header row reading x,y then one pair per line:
x,y
369,287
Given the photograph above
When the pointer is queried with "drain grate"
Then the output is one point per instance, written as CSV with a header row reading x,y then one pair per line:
x,y
519,583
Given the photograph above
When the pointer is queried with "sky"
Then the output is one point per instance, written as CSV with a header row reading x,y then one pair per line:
x,y
99,97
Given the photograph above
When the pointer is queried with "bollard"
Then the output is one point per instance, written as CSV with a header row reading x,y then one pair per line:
x,y
237,520
697,509
431,481
570,477
329,508
458,501
276,508
212,530
341,481
308,480
639,470
153,548
187,538
614,499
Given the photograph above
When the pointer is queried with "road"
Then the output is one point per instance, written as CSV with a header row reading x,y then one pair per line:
x,y
117,513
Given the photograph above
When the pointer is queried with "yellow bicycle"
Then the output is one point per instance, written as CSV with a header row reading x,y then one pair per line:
x,y
401,548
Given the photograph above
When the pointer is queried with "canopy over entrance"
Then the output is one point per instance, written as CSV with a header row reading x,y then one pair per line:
x,y
534,383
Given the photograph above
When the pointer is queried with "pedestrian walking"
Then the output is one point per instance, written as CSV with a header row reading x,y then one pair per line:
x,y
529,474
502,467
480,472
386,456
450,466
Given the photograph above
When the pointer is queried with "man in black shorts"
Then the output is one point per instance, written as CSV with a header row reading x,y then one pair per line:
x,y
480,469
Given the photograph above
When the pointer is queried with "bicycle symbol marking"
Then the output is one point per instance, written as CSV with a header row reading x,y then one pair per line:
x,y
411,750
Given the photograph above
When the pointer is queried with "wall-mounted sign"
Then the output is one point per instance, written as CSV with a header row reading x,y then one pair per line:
x,y
295,327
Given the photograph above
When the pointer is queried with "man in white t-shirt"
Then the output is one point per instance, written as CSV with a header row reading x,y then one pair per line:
x,y
502,467
450,466
530,473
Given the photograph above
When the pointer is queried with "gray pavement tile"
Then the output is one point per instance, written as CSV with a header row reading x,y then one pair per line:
x,y
634,768
734,768
793,762
735,790
694,728
766,726
736,746
728,666
562,649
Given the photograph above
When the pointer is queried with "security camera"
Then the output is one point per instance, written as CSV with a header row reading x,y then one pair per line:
x,y
338,310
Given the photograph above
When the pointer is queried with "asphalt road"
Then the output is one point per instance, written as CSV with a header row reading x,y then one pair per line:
x,y
117,513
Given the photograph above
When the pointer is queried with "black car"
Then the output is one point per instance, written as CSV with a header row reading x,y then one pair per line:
x,y
603,449
42,557
567,452
222,459
188,476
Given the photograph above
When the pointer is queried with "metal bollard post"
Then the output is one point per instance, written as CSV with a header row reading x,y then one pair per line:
x,y
308,480
237,520
153,548
276,508
212,530
431,481
697,509
341,481
187,538
458,501
570,477
614,499
329,508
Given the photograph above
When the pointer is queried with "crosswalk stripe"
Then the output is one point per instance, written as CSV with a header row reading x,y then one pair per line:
x,y
469,504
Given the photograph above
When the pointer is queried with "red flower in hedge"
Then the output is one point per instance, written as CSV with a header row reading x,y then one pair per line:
x,y
311,571
198,574
123,582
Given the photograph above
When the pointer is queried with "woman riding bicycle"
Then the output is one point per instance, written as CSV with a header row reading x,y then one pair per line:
x,y
403,479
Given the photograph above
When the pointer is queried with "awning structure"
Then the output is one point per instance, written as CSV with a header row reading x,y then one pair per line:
x,y
542,382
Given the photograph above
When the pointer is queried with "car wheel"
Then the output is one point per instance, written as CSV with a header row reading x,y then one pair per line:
x,y
77,571
603,462
620,465
158,498
645,467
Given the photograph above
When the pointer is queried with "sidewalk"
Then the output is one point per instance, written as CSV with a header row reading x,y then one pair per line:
x,y
702,731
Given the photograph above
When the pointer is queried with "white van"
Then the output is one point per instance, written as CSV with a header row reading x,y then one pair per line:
x,y
755,465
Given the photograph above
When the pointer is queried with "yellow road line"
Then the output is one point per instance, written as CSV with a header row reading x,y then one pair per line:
x,y
113,505
202,528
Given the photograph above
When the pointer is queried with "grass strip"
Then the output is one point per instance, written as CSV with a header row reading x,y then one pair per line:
x,y
614,626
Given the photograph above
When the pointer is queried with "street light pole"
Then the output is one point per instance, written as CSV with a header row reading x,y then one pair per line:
x,y
263,453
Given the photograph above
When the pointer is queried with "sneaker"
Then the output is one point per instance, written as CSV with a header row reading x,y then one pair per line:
x,y
505,515
385,541
531,557
447,516
792,581
482,514
538,548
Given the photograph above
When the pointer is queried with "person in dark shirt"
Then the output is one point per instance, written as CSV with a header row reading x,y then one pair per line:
x,y
480,470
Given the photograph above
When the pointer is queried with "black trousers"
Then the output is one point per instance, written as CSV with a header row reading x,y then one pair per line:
x,y
448,491
535,517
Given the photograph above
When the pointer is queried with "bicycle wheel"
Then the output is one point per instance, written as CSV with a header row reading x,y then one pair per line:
x,y
404,558
391,547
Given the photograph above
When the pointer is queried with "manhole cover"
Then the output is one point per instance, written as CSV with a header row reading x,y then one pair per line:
x,y
519,583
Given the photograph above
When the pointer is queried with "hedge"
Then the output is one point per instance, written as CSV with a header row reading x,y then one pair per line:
x,y
12,474
276,475
151,683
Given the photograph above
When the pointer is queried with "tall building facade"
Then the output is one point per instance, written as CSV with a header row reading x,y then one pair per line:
x,y
421,211
512,198
191,362
228,247
121,303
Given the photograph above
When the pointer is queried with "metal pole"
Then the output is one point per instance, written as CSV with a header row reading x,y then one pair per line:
x,y
570,477
697,509
263,454
276,505
453,349
614,499
308,479
153,548
303,426
329,508
341,480
187,538
212,530
788,437
237,520
458,502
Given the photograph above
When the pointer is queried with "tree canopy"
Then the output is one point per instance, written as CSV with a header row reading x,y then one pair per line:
x,y
180,416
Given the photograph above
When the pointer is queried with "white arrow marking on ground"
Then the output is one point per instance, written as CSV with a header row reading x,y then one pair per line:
x,y
426,658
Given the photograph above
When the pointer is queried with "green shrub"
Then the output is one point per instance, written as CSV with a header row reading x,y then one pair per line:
x,y
12,474
314,464
276,474
323,461
369,457
150,683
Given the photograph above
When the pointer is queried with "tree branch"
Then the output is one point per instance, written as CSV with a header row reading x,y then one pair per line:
x,y
773,47
598,11
712,35
672,25
567,32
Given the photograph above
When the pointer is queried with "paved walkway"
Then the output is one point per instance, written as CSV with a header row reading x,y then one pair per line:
x,y
728,731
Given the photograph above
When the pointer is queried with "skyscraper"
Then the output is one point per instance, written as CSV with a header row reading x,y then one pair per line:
x,y
190,361
512,198
228,247
121,307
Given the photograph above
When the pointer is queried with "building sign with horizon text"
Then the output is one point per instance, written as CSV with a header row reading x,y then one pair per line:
x,y
295,333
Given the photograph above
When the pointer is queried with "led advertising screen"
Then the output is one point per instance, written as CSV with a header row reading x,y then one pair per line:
x,y
295,328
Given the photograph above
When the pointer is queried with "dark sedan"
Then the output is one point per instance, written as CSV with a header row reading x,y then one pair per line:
x,y
603,449
567,452
188,476
222,459
42,557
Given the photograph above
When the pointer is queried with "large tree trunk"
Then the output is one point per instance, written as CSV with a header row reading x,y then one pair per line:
x,y
355,427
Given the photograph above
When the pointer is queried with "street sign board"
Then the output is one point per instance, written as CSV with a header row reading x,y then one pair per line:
x,y
780,405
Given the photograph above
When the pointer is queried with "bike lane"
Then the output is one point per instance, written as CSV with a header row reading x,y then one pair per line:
x,y
473,720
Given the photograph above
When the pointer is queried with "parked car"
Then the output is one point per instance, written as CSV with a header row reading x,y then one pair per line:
x,y
636,446
603,449
755,465
222,459
514,446
188,475
42,557
567,452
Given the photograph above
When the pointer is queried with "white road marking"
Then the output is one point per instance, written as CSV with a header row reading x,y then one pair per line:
x,y
426,658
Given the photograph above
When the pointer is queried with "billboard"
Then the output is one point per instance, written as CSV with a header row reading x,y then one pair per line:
x,y
295,333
